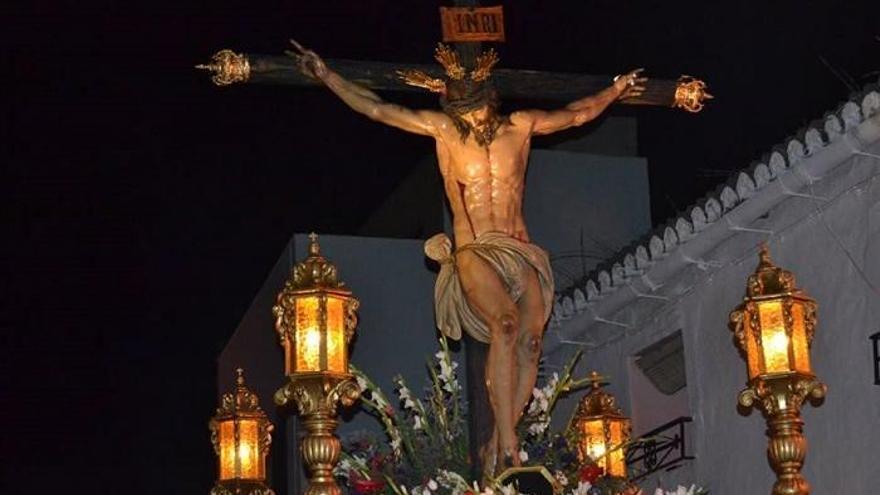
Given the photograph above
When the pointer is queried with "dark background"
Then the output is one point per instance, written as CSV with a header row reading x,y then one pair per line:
x,y
143,206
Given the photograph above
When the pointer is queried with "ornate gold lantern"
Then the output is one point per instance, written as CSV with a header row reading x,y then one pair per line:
x,y
241,435
773,328
601,428
315,319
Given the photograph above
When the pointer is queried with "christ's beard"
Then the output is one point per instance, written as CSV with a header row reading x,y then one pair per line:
x,y
484,132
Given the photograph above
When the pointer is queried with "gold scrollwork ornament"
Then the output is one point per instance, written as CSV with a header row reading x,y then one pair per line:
x,y
228,67
690,94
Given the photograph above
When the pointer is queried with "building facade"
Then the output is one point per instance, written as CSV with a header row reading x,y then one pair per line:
x,y
656,320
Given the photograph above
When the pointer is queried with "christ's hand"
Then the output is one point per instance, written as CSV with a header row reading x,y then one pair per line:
x,y
630,85
310,63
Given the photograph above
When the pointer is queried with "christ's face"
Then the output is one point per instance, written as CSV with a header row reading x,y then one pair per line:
x,y
478,118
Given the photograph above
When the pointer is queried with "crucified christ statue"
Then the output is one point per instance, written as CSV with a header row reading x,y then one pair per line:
x,y
495,284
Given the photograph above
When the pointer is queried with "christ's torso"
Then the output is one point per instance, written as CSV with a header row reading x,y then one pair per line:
x,y
484,184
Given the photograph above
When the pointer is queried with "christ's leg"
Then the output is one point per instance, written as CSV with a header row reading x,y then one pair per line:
x,y
531,310
488,298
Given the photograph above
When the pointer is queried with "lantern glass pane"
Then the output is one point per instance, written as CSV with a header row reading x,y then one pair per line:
x,y
799,340
616,460
308,334
227,450
774,340
336,350
752,353
594,440
249,449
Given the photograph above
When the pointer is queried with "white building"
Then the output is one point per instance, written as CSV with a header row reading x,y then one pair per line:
x,y
656,320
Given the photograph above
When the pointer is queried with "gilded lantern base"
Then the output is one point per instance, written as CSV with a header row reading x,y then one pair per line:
x,y
317,396
780,398
241,488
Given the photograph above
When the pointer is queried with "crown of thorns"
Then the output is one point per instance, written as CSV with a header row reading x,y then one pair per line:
x,y
448,58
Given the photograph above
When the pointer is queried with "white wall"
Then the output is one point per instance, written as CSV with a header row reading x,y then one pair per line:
x,y
830,242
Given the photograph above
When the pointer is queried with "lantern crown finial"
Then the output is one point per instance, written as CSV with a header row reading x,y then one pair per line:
x,y
242,401
314,247
770,279
764,256
596,380
239,379
314,272
597,402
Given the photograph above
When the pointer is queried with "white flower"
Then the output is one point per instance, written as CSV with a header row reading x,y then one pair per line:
x,y
508,490
453,481
537,428
447,367
583,488
561,478
432,485
380,401
523,456
446,370
540,403
362,383
551,384
343,468
406,397
678,491
417,422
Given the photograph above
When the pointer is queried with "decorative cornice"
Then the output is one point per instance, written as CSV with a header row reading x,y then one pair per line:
x,y
634,262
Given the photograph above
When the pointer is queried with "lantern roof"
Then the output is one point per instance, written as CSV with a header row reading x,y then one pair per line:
x,y
240,403
315,272
597,402
769,279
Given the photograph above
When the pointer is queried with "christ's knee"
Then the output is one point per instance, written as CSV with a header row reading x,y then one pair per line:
x,y
506,328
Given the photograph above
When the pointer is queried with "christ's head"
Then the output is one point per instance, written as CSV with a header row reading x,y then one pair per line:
x,y
473,107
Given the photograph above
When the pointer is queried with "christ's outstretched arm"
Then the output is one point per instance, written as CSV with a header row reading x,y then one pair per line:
x,y
364,101
586,109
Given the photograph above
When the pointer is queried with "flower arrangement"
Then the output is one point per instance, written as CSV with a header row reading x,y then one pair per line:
x,y
426,452
427,443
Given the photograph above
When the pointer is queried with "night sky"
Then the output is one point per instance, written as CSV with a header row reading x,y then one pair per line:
x,y
145,205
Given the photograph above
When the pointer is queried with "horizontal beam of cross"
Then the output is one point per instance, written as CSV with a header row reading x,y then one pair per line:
x,y
382,76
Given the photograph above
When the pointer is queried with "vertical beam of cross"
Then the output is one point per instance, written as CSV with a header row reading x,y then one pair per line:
x,y
481,422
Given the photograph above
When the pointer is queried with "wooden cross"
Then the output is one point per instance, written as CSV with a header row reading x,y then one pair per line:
x,y
229,67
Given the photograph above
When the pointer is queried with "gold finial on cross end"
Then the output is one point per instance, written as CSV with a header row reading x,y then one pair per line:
x,y
228,67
